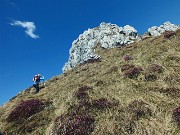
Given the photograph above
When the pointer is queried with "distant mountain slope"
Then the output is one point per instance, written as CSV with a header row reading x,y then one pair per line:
x,y
133,89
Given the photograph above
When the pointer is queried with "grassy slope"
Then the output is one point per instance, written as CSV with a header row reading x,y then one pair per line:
x,y
108,81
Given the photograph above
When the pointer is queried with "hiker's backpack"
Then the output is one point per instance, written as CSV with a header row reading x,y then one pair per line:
x,y
36,78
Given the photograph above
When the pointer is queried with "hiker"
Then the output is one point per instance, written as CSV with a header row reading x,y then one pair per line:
x,y
36,80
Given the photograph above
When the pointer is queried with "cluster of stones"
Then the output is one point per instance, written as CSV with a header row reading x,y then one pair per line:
x,y
107,35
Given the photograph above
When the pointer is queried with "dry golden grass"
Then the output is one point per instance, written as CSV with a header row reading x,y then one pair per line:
x,y
107,81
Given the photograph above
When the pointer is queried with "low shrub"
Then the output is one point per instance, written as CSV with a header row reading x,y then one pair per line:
x,y
25,110
103,103
75,125
84,88
155,68
82,95
132,72
168,34
150,77
126,67
176,116
139,109
127,57
82,92
85,104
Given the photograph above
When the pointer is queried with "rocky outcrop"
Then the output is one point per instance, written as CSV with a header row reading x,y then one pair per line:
x,y
107,35
157,31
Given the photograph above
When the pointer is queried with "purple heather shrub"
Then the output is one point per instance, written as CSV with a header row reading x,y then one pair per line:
x,y
155,68
80,125
84,88
103,103
82,95
132,72
75,124
127,57
82,92
25,110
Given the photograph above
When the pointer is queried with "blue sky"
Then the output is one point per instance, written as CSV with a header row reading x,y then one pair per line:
x,y
42,45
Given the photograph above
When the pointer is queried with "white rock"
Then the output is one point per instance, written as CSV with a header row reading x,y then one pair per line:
x,y
157,31
107,35
130,31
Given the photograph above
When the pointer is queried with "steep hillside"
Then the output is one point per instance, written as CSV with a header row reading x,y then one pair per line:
x,y
131,90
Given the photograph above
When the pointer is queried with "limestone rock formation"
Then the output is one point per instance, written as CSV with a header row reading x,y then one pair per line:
x,y
167,26
107,35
